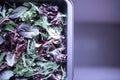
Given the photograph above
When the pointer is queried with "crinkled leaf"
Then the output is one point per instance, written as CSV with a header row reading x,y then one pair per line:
x,y
29,73
24,67
49,67
54,32
42,22
10,26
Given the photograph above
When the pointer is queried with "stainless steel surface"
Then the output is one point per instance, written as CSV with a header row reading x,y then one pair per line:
x,y
70,45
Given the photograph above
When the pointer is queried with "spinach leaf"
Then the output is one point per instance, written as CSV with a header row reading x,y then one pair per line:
x,y
18,12
1,40
27,31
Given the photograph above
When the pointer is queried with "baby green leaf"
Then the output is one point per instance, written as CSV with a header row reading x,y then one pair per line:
x,y
18,12
27,31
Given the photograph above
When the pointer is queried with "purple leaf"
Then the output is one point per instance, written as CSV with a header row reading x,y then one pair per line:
x,y
18,12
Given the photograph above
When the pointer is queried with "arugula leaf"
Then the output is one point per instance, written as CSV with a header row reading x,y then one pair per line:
x,y
31,49
49,67
26,66
63,73
54,32
42,22
10,26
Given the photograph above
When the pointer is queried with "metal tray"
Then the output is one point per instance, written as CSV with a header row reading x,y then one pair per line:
x,y
66,7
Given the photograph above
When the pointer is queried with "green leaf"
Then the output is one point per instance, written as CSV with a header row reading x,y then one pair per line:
x,y
54,32
31,47
10,26
42,22
63,73
49,67
29,73
2,55
34,7
29,15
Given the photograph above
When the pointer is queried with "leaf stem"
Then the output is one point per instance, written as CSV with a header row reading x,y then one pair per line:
x,y
5,19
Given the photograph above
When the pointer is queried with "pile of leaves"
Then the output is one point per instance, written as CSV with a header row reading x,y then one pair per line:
x,y
32,43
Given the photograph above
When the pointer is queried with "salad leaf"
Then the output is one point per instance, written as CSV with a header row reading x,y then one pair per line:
x,y
27,31
1,40
42,22
10,58
10,26
63,73
54,32
34,7
6,75
3,66
3,12
26,66
2,55
49,11
18,12
32,42
31,47
30,14
49,67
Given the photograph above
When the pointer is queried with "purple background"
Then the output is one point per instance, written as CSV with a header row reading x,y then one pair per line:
x,y
97,32
97,39
106,11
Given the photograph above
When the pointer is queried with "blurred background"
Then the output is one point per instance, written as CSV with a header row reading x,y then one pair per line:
x,y
97,39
